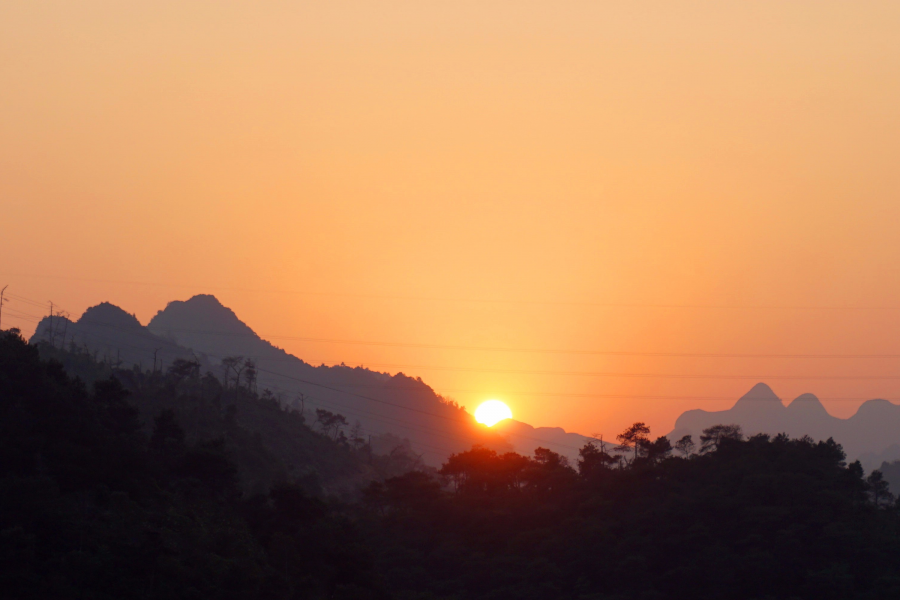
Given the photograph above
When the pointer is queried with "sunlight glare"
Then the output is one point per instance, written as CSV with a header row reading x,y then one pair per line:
x,y
492,412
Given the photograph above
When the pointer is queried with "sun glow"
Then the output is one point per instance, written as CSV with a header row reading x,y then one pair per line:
x,y
492,412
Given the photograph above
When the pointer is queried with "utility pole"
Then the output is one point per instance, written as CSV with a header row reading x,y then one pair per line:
x,y
2,300
51,322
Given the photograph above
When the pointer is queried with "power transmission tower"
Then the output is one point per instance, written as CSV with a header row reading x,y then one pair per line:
x,y
51,323
2,300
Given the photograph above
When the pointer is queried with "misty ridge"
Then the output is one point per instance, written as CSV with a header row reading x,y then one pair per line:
x,y
204,330
871,435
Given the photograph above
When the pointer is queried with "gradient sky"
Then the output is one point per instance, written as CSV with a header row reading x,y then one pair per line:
x,y
679,177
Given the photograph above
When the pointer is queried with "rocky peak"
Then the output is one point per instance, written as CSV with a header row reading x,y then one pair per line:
x,y
760,397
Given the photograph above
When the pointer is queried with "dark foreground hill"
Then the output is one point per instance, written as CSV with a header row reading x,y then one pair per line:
x,y
91,506
95,504
269,442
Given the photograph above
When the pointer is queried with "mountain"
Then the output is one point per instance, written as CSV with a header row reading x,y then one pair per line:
x,y
389,408
868,434
381,403
524,438
113,335
873,460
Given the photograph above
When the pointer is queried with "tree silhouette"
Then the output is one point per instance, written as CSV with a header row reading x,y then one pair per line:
x,y
713,437
879,488
657,450
331,424
235,364
593,460
182,369
251,374
634,437
685,445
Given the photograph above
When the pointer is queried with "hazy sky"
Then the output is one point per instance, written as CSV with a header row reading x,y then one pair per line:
x,y
679,177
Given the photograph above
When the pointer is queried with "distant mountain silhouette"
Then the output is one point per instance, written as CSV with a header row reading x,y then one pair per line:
x,y
868,434
113,335
203,322
873,460
382,403
388,407
202,329
523,438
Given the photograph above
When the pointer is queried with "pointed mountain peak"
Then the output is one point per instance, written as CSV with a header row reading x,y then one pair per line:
x,y
109,314
808,403
760,395
203,313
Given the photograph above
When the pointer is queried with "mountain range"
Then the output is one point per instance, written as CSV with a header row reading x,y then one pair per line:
x,y
204,330
871,434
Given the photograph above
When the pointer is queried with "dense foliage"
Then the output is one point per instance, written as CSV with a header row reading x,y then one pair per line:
x,y
175,485
268,440
758,518
91,506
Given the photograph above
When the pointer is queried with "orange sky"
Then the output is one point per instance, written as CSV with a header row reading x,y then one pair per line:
x,y
683,177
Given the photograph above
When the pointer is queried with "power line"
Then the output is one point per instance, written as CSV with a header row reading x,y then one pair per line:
x,y
625,375
562,394
338,390
462,300
635,375
527,350
625,353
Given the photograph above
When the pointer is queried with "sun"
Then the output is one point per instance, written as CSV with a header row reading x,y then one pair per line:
x,y
492,412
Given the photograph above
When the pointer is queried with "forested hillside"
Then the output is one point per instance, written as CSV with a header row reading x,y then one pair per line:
x,y
740,518
202,330
269,441
93,504
135,484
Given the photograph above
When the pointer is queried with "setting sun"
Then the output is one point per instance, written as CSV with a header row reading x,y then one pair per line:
x,y
492,412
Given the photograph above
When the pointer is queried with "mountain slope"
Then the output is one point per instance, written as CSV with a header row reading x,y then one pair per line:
x,y
387,407
205,324
114,336
869,432
382,403
523,438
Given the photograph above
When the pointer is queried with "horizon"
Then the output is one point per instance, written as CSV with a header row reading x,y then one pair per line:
x,y
598,214
759,387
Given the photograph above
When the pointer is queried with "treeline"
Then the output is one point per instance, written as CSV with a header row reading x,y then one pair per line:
x,y
270,439
764,517
161,485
